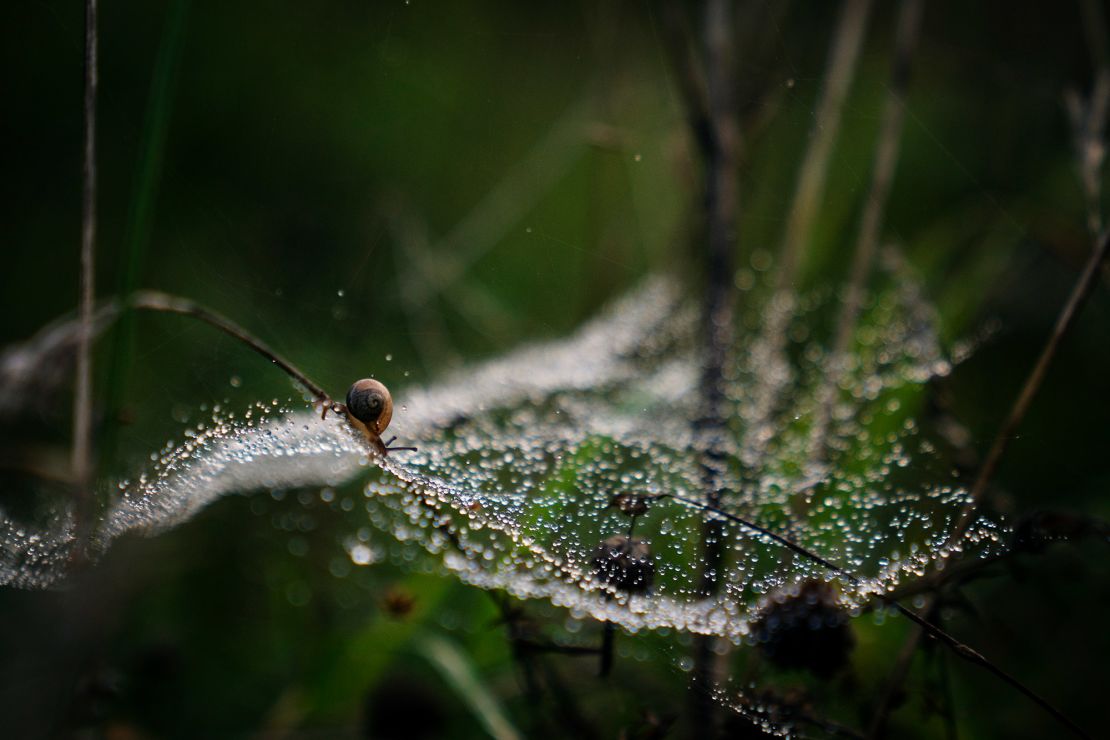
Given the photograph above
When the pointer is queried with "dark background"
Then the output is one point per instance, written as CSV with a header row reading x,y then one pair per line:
x,y
402,188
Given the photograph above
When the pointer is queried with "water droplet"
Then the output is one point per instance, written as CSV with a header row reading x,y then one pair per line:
x,y
361,554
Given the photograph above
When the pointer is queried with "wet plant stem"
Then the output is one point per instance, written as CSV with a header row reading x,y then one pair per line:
x,y
608,637
82,416
608,629
707,95
1064,323
719,140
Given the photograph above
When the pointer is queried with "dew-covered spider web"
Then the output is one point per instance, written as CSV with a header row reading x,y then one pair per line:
x,y
520,460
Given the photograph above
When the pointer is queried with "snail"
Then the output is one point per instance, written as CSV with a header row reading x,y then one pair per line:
x,y
369,409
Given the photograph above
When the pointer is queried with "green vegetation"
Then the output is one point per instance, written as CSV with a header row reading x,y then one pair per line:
x,y
406,188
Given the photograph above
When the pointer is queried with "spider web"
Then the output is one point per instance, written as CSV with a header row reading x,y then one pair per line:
x,y
520,458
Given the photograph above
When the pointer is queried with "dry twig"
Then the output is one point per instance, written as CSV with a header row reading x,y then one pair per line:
x,y
82,402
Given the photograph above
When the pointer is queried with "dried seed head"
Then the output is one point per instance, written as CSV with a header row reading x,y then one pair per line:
x,y
804,626
624,563
370,402
631,504
398,603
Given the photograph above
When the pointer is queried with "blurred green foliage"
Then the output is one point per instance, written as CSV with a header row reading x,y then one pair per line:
x,y
398,188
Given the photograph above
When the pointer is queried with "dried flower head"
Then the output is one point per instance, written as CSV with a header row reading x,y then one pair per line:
x,y
625,563
805,626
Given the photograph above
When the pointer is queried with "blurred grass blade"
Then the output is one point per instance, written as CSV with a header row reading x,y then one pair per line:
x,y
459,672
141,209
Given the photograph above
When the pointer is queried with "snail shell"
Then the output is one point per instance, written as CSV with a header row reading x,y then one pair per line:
x,y
370,404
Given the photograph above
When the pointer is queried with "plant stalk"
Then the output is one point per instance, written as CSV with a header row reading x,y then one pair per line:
x,y
82,416
871,222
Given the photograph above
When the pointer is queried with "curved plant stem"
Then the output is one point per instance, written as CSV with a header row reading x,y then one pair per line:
x,y
149,300
1064,323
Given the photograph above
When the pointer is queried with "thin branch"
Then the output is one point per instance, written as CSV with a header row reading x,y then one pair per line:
x,y
720,210
1064,324
82,416
707,95
871,223
148,300
1089,121
959,648
1021,405
608,637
